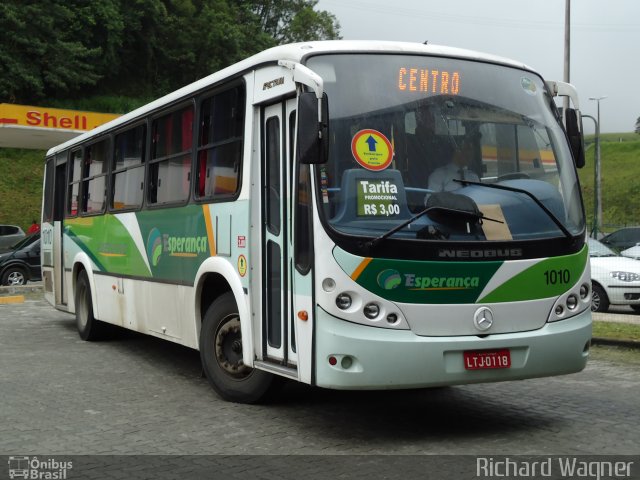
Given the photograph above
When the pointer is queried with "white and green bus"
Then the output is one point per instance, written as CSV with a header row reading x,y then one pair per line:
x,y
278,217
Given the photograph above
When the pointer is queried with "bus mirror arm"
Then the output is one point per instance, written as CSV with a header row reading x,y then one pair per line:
x,y
313,107
572,119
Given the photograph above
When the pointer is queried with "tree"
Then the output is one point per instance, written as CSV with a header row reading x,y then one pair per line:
x,y
637,130
40,53
60,49
295,20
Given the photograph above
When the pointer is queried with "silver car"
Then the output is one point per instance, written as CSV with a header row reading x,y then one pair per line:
x,y
9,235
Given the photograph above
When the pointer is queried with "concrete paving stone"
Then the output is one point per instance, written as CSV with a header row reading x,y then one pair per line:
x,y
139,395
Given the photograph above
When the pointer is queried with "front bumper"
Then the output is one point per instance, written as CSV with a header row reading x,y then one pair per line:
x,y
389,359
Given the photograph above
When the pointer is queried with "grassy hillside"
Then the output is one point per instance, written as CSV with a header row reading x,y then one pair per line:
x,y
21,174
21,182
620,173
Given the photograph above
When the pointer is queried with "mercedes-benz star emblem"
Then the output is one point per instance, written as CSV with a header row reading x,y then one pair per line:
x,y
483,319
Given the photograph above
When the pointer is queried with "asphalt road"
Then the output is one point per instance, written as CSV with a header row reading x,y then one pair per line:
x,y
138,395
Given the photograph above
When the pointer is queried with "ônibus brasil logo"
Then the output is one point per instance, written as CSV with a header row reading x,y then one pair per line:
x,y
390,279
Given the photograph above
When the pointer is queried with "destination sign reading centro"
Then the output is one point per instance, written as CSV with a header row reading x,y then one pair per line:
x,y
413,79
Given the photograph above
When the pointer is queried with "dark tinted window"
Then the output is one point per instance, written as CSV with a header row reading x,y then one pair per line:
x,y
95,166
128,169
220,144
170,165
273,174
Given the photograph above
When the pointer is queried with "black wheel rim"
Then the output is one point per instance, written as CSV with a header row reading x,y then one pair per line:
x,y
228,348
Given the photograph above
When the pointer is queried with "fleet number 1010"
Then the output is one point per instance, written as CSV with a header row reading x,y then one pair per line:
x,y
555,277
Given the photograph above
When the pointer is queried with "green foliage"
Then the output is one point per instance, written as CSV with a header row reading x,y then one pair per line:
x,y
620,331
620,170
40,53
20,186
63,49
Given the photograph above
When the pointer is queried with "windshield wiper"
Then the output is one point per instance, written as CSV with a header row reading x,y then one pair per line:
x,y
461,206
528,194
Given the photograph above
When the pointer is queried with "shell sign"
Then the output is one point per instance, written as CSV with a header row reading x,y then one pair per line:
x,y
25,126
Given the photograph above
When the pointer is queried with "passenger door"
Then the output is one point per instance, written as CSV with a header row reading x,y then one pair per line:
x,y
278,325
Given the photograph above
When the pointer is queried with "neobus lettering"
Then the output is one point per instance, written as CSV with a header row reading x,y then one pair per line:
x,y
492,253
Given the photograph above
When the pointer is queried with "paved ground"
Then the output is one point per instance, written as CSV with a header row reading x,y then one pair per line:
x,y
620,314
135,394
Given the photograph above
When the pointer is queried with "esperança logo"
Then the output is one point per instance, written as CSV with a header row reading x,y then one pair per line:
x,y
390,279
159,243
440,283
154,246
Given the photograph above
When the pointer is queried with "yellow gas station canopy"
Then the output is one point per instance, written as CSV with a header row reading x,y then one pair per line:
x,y
24,126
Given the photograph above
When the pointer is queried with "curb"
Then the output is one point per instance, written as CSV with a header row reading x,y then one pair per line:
x,y
11,299
611,342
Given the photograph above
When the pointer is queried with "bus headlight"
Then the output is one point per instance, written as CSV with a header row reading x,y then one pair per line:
x,y
572,302
584,291
371,310
343,301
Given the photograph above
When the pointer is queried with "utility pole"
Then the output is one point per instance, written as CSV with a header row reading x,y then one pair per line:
x,y
598,175
567,47
596,170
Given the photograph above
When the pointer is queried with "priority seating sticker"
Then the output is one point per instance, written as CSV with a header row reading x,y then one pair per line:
x,y
372,149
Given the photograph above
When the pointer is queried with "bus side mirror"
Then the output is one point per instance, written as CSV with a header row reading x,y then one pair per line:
x,y
313,128
573,121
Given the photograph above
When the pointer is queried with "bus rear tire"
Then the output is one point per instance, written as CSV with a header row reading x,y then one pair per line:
x,y
221,355
89,328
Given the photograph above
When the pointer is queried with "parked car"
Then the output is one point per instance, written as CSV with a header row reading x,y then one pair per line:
x,y
615,280
622,239
22,262
633,252
9,235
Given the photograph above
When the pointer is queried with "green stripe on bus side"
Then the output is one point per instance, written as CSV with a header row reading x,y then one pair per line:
x,y
427,282
175,243
430,282
549,278
109,244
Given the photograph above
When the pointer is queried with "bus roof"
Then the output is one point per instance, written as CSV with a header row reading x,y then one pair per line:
x,y
295,52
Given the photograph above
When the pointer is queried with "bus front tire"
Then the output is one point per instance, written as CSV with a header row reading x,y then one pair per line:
x,y
221,355
89,328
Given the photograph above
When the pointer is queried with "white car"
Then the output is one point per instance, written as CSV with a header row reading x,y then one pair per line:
x,y
615,280
633,252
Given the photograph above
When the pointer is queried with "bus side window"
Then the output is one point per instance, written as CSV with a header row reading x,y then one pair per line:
x,y
170,164
128,169
75,177
220,144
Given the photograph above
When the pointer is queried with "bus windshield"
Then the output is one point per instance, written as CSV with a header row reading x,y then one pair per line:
x,y
475,148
